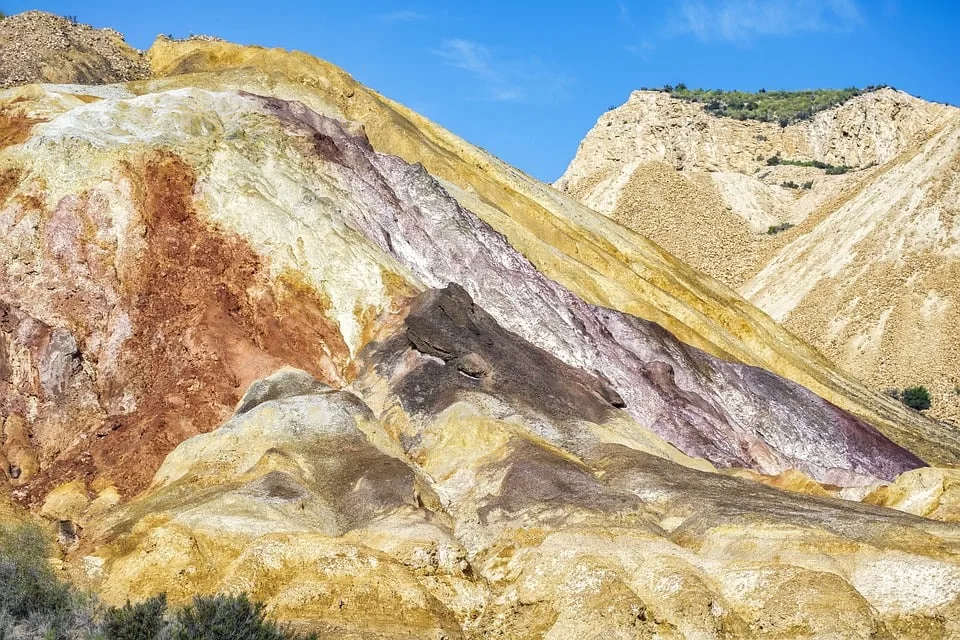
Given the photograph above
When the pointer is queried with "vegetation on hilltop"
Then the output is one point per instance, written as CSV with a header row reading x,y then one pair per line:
x,y
785,107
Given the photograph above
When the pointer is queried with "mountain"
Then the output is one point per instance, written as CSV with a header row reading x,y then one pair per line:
x,y
264,330
864,266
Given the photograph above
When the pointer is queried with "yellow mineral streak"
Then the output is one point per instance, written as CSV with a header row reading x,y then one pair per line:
x,y
590,254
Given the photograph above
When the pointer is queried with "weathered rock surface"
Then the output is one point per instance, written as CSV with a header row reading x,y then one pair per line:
x,y
483,514
179,254
264,330
41,47
871,262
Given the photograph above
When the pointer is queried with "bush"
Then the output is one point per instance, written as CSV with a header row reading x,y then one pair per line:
x,y
835,171
775,229
35,603
789,184
807,185
226,617
916,398
28,585
785,107
141,621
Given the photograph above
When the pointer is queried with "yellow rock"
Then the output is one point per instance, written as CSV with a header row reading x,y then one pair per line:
x,y
69,501
599,260
929,492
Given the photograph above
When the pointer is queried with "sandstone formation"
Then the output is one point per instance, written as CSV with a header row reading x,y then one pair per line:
x,y
465,512
866,275
263,330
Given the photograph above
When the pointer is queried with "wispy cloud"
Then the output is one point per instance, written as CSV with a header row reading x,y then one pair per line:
x,y
641,50
501,79
402,15
740,20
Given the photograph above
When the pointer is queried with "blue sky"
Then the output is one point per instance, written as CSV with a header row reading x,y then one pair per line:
x,y
527,80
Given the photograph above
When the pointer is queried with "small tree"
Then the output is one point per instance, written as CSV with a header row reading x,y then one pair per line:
x,y
916,398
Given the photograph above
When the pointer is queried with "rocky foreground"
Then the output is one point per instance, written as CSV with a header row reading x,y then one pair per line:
x,y
262,329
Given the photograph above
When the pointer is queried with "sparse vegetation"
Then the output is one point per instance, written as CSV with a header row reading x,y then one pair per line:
x,y
789,184
916,398
829,169
141,621
36,603
777,228
785,107
806,186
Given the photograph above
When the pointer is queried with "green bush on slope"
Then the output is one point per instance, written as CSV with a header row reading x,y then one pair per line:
x,y
916,398
36,604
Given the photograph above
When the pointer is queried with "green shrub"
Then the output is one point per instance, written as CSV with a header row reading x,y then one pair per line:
x,y
789,184
775,229
141,621
916,398
35,603
807,185
835,171
28,585
785,107
225,617
830,169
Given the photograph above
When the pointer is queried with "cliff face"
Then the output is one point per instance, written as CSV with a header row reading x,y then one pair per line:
x,y
866,268
264,330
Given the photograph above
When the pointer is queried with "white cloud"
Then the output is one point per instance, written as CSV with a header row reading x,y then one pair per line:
x,y
401,15
739,20
504,80
641,50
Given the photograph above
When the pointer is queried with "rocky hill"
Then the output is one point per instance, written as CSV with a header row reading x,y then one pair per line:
x,y
41,47
857,256
265,330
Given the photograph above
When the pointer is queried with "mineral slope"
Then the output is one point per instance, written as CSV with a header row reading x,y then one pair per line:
x,y
870,263
181,291
264,330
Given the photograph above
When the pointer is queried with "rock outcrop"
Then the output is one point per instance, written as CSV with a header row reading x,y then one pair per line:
x,y
182,293
41,47
869,265
263,329
466,512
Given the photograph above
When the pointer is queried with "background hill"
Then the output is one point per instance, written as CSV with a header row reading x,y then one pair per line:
x,y
842,226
